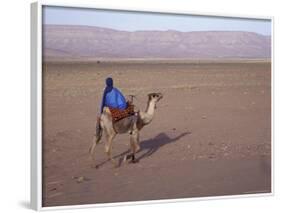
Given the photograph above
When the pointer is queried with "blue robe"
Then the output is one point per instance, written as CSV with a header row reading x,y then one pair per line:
x,y
112,97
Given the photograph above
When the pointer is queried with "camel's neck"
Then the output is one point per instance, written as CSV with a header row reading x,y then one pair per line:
x,y
147,116
150,109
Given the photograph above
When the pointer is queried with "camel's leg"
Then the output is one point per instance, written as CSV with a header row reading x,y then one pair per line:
x,y
92,149
134,141
108,147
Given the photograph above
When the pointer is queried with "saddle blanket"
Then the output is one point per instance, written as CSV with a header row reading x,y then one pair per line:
x,y
118,114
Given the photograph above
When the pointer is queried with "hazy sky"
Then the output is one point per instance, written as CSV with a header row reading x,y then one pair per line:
x,y
132,21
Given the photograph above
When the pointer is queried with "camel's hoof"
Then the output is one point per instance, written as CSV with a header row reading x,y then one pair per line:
x,y
134,161
94,166
115,164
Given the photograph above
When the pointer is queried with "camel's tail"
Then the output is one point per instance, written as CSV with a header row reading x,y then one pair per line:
x,y
98,132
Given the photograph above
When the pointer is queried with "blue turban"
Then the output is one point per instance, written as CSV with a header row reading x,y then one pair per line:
x,y
109,82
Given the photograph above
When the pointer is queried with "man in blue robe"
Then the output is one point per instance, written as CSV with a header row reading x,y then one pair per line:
x,y
112,97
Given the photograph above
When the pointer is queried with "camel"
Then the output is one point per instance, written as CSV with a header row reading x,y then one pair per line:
x,y
132,125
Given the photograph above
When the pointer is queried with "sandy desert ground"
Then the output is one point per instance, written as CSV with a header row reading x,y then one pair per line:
x,y
211,134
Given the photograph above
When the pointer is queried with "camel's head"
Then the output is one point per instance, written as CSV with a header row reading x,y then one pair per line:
x,y
155,97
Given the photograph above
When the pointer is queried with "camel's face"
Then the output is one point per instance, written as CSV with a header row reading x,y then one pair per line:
x,y
155,96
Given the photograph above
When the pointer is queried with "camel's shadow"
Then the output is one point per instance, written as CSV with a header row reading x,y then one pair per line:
x,y
150,146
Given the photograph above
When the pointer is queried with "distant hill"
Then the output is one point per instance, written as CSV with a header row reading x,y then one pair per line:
x,y
96,42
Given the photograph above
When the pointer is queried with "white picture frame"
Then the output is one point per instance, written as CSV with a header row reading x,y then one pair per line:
x,y
36,104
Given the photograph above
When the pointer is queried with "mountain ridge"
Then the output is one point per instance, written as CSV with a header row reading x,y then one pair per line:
x,y
98,42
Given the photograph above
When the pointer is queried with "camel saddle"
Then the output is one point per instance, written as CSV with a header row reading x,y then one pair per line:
x,y
118,114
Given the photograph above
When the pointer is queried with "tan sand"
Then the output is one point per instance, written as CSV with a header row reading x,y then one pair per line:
x,y
211,134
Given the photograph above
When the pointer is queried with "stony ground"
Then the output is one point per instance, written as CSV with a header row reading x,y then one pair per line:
x,y
211,134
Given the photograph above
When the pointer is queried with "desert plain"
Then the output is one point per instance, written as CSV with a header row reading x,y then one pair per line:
x,y
210,136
